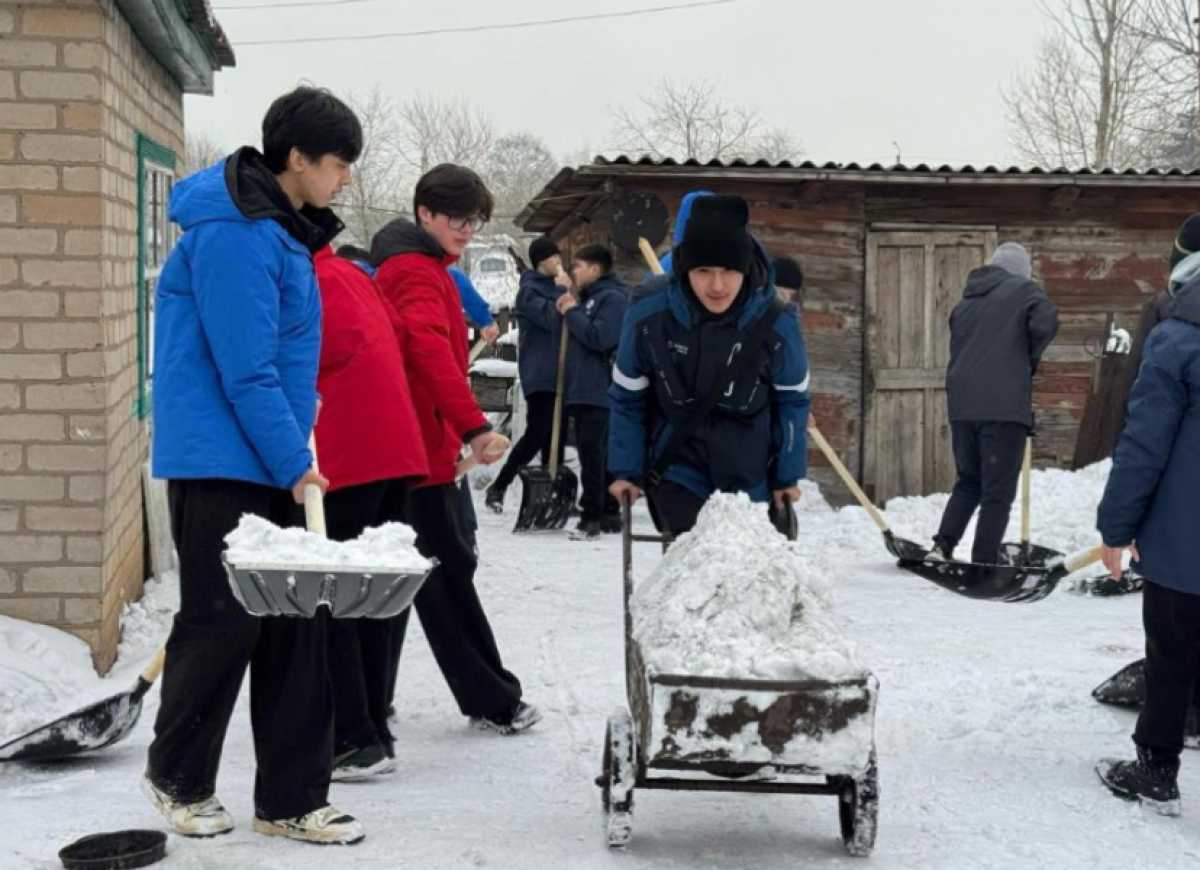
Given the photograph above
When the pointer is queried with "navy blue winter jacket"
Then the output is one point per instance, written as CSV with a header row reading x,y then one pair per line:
x,y
671,354
1153,491
540,326
595,327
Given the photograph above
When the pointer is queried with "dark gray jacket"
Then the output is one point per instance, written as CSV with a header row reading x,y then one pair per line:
x,y
540,326
998,333
595,326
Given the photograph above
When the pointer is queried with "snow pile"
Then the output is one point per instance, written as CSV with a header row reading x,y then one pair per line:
x,y
511,337
145,623
494,368
733,598
44,674
257,542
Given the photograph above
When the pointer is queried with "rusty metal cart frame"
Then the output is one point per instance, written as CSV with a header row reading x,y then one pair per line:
x,y
628,763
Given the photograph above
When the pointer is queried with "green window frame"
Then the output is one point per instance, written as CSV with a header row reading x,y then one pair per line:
x,y
156,237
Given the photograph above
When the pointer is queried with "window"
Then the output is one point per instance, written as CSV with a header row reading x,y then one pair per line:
x,y
492,265
156,237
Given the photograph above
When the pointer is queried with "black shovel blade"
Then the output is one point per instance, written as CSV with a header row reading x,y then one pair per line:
x,y
545,501
1009,583
94,727
904,550
1125,688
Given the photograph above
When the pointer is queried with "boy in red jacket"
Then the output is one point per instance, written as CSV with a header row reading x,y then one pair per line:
x,y
370,460
450,203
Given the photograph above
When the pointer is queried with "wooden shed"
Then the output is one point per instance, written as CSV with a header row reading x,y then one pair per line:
x,y
885,252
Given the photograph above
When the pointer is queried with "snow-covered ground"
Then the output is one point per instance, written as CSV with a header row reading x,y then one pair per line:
x,y
986,730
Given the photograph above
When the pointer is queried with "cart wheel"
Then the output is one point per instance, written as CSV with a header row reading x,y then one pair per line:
x,y
619,773
858,808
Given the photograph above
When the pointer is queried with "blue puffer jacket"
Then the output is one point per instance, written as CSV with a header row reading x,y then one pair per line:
x,y
671,355
237,333
1153,492
540,326
477,308
595,327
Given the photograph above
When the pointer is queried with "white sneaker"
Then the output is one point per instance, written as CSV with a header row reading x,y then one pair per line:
x,y
327,826
524,716
206,818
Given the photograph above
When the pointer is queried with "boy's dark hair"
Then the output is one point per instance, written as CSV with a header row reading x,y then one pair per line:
x,y
353,252
455,191
313,121
597,254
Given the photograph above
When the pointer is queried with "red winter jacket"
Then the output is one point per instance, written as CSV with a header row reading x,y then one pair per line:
x,y
367,430
428,318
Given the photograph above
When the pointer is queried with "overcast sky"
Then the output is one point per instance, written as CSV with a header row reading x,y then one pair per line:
x,y
850,77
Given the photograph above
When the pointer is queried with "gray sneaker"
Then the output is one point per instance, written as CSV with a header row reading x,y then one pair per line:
x,y
202,818
327,827
523,717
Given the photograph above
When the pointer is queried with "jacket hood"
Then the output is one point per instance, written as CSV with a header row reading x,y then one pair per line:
x,y
1186,304
402,236
985,279
685,212
242,189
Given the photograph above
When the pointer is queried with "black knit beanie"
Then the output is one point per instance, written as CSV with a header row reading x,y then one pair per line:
x,y
716,235
540,249
788,273
1187,240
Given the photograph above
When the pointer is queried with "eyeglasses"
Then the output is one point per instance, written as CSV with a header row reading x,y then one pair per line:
x,y
474,223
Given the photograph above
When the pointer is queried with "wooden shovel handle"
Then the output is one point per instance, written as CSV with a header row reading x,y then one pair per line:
x,y
556,431
1083,558
1026,471
496,448
150,674
846,476
651,258
314,503
476,351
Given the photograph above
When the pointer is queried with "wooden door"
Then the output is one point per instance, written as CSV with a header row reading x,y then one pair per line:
x,y
914,279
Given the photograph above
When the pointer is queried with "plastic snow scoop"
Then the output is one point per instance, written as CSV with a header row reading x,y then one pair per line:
x,y
1025,553
497,448
281,589
115,850
548,493
1125,688
901,548
91,728
1014,584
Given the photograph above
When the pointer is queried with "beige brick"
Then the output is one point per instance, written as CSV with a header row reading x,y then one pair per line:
x,y
34,488
59,86
8,209
27,116
8,582
15,549
80,611
30,366
64,519
82,243
71,21
82,427
25,303
82,179
10,396
83,116
66,457
85,55
85,365
28,177
10,335
28,241
10,460
7,21
63,335
31,609
60,273
85,548
32,427
60,147
68,397
79,211
8,272
86,488
8,85
82,303
25,52
77,579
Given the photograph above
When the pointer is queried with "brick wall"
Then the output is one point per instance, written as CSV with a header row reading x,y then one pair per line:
x,y
75,89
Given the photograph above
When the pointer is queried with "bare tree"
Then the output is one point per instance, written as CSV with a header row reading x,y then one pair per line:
x,y
378,189
687,120
199,152
432,131
1173,135
777,145
517,169
1089,94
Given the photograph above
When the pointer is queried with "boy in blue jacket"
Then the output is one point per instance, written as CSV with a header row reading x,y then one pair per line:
x,y
237,344
1149,508
683,341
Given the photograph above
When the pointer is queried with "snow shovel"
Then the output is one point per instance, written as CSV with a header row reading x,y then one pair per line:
x,y
638,215
1127,689
1014,584
902,549
272,588
548,493
94,727
1026,554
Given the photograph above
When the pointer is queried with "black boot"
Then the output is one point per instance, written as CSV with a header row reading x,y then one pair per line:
x,y
493,499
1148,780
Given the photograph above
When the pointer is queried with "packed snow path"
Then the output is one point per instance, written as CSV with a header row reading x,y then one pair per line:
x,y
986,732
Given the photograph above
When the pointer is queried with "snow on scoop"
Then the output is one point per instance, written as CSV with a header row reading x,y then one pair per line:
x,y
291,572
94,727
1010,583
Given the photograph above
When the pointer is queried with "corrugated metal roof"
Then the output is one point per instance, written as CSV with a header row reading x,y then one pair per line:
x,y
200,16
576,190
